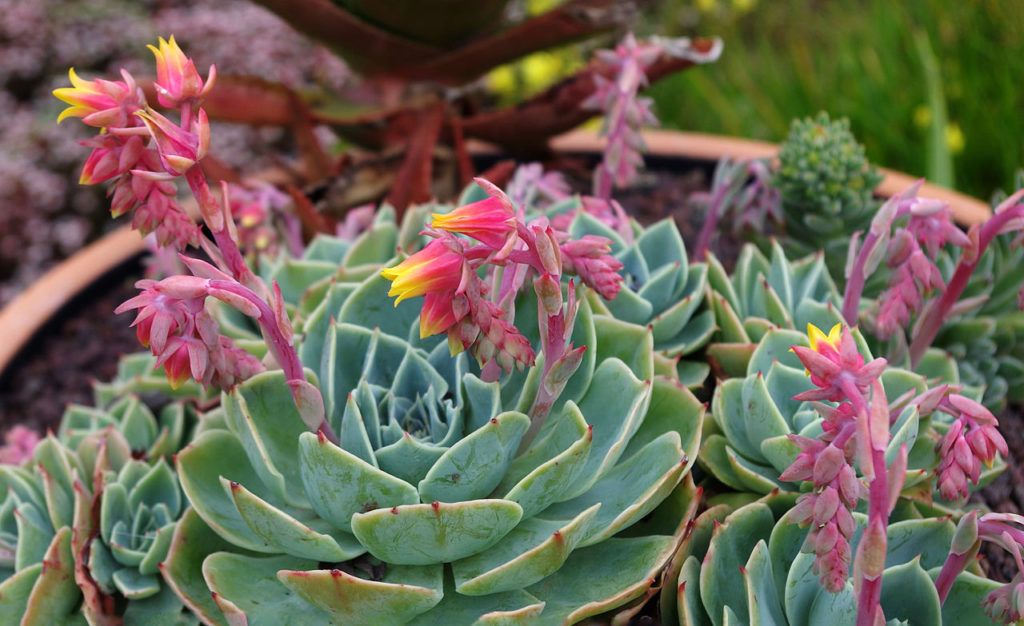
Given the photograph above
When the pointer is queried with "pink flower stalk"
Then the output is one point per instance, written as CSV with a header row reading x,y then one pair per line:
x,y
827,509
625,112
19,444
741,188
1005,604
177,79
531,186
839,373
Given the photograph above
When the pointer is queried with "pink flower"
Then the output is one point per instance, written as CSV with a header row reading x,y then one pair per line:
x,y
491,221
1006,604
177,79
589,259
972,439
833,363
100,103
179,149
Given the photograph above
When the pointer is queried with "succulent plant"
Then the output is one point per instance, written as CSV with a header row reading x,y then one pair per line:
x,y
68,552
779,585
763,294
37,512
428,508
662,290
826,184
748,446
148,436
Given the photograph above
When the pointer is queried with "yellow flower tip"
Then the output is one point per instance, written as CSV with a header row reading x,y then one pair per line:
x,y
815,336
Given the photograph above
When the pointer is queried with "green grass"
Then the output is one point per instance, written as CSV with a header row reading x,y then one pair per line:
x,y
867,60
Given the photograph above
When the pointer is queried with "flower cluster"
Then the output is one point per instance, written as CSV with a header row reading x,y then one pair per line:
x,y
625,112
973,439
141,150
19,443
914,274
173,322
445,273
835,365
827,509
858,428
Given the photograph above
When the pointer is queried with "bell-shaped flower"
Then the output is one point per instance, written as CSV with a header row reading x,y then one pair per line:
x,y
179,149
177,79
100,103
490,221
435,268
833,364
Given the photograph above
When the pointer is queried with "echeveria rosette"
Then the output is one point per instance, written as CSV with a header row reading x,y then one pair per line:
x,y
761,294
747,444
779,585
662,290
426,511
37,512
57,564
148,436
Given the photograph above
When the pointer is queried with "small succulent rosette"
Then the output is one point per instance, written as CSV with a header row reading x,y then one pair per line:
x,y
748,565
761,294
748,444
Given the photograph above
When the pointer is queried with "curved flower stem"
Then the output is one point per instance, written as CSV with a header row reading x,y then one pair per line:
x,y
282,349
855,281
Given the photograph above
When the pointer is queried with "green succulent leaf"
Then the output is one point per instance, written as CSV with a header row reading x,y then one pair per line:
x,y
285,534
247,587
405,593
474,466
340,484
421,534
530,552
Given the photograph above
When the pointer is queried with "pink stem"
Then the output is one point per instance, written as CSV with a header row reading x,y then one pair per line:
x,y
707,230
855,282
878,509
955,563
938,314
282,349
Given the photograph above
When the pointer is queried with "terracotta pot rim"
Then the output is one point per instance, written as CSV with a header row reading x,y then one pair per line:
x,y
23,317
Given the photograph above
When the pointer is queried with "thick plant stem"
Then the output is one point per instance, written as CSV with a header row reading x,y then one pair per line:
x,y
215,218
870,559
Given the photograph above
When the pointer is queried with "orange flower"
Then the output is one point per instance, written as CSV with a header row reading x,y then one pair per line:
x,y
435,268
489,221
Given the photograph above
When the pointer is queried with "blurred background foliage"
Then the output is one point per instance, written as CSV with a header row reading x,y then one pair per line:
x,y
931,87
